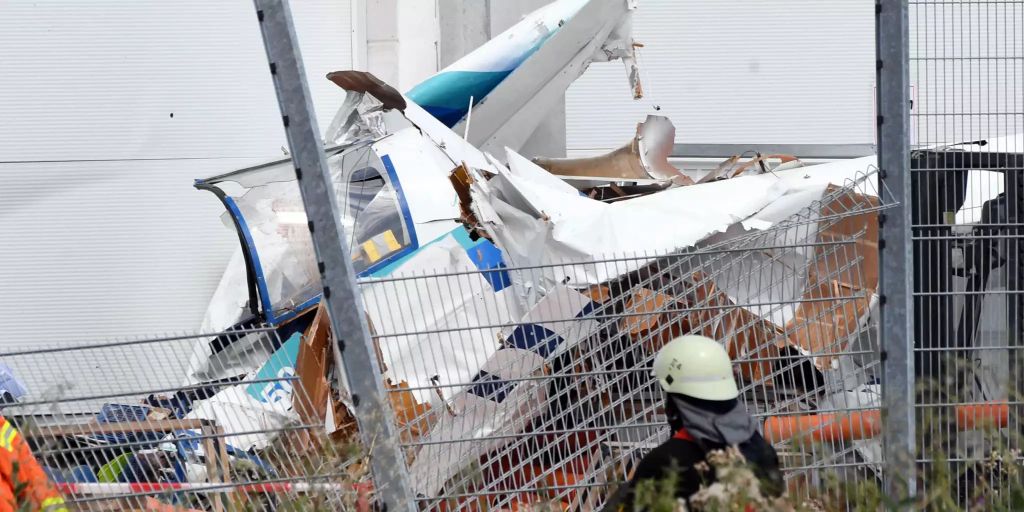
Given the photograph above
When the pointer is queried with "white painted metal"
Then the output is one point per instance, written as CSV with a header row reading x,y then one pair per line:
x,y
103,234
744,71
514,109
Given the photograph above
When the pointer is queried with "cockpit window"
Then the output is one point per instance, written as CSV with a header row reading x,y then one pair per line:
x,y
268,204
371,211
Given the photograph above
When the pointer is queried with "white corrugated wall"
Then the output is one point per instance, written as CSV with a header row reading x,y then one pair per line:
x,y
110,110
742,71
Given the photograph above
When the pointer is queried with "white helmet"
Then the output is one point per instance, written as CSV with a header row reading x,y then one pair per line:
x,y
696,366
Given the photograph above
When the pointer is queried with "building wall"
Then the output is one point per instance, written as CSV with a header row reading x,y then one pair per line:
x,y
402,40
110,110
743,72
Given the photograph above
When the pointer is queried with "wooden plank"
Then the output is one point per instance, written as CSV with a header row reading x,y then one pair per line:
x,y
235,498
311,390
212,466
128,427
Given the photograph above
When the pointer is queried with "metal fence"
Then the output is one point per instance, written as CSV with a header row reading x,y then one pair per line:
x,y
545,395
236,441
562,405
964,211
495,409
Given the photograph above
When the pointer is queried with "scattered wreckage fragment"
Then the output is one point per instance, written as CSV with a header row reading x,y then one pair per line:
x,y
643,163
643,158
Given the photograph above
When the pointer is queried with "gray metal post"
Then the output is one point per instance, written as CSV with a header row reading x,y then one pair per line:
x,y
375,418
895,248
1014,190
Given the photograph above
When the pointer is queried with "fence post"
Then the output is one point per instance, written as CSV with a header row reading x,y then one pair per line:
x,y
895,248
1014,189
340,293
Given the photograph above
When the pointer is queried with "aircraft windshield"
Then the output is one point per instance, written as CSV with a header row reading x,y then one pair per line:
x,y
275,228
371,212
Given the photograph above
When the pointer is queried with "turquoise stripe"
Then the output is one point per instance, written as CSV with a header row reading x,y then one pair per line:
x,y
460,234
447,88
446,94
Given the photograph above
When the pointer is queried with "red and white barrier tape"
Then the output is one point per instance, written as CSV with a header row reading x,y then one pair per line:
x,y
112,489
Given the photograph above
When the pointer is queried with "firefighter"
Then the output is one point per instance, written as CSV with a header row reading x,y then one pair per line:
x,y
705,415
23,483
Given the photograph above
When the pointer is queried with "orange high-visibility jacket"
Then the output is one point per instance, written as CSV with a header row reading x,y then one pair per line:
x,y
22,479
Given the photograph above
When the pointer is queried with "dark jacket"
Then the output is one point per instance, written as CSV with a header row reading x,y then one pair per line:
x,y
680,455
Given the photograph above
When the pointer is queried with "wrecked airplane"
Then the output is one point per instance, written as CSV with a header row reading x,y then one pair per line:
x,y
431,182
391,160
417,196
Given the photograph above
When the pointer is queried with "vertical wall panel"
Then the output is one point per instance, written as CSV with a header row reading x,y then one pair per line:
x,y
110,110
744,71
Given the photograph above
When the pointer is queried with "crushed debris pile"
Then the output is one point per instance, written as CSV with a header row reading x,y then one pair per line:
x,y
483,277
515,303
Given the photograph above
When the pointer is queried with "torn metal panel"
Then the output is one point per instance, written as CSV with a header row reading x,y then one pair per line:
x,y
252,414
620,45
499,403
447,94
759,164
515,107
535,225
654,140
412,307
363,82
822,305
644,157
364,118
502,399
371,110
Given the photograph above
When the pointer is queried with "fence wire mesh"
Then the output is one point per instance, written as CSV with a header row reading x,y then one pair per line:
x,y
143,434
966,59
509,385
541,395
499,408
513,386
